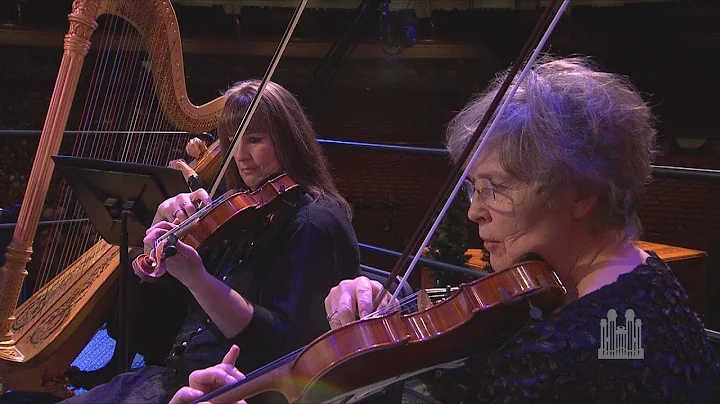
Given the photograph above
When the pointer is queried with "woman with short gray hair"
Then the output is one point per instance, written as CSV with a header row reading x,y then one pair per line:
x,y
571,125
559,179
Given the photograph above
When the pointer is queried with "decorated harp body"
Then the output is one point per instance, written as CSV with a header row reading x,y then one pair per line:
x,y
40,339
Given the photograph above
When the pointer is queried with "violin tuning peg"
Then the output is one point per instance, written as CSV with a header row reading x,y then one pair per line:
x,y
170,251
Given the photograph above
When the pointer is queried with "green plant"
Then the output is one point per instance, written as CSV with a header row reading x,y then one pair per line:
x,y
449,244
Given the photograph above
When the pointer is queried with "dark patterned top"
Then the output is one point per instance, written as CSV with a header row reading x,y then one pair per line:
x,y
556,359
286,273
285,269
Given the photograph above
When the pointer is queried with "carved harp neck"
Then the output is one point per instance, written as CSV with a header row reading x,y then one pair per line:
x,y
156,22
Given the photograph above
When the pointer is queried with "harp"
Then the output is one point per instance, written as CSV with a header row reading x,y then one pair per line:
x,y
40,339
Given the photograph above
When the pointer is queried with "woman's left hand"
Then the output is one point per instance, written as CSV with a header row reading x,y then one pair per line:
x,y
181,206
186,265
208,380
183,167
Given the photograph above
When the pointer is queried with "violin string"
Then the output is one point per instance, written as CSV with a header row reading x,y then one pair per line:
x,y
470,164
197,215
401,305
287,358
409,302
294,354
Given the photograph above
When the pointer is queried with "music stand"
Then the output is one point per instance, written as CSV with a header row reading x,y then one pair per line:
x,y
120,200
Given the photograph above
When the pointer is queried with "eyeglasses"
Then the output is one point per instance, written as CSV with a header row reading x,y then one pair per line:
x,y
486,193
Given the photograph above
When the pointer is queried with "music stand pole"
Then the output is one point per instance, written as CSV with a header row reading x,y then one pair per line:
x,y
123,324
120,200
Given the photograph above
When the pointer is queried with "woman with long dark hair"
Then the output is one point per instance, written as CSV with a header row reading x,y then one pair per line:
x,y
263,287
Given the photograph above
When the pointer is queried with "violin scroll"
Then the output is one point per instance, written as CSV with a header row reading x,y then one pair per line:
x,y
150,267
147,269
229,213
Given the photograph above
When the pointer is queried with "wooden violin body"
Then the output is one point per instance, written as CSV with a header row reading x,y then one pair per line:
x,y
208,163
204,166
360,358
229,213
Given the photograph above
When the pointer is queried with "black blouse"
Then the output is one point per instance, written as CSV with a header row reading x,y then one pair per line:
x,y
557,359
285,270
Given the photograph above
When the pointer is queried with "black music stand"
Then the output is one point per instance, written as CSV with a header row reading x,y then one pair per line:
x,y
120,200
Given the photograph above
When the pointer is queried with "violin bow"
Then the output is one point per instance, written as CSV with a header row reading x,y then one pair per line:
x,y
245,121
457,174
234,144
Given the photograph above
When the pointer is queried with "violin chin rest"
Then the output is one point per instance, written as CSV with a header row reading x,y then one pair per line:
x,y
531,256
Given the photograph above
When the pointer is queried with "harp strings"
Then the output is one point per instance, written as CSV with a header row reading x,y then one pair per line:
x,y
121,120
61,235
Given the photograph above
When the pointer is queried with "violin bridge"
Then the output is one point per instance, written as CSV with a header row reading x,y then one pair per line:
x,y
423,301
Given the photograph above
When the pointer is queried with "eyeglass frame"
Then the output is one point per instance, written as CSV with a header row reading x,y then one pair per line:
x,y
469,190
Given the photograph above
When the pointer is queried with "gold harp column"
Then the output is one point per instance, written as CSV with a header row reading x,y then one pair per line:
x,y
76,46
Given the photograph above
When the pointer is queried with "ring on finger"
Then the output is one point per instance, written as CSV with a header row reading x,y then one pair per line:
x,y
329,316
174,215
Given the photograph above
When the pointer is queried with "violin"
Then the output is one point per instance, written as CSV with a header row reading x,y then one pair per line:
x,y
208,162
353,361
397,346
208,223
202,168
360,358
213,222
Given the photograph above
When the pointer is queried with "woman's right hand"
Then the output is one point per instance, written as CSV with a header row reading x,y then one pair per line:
x,y
352,299
207,380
